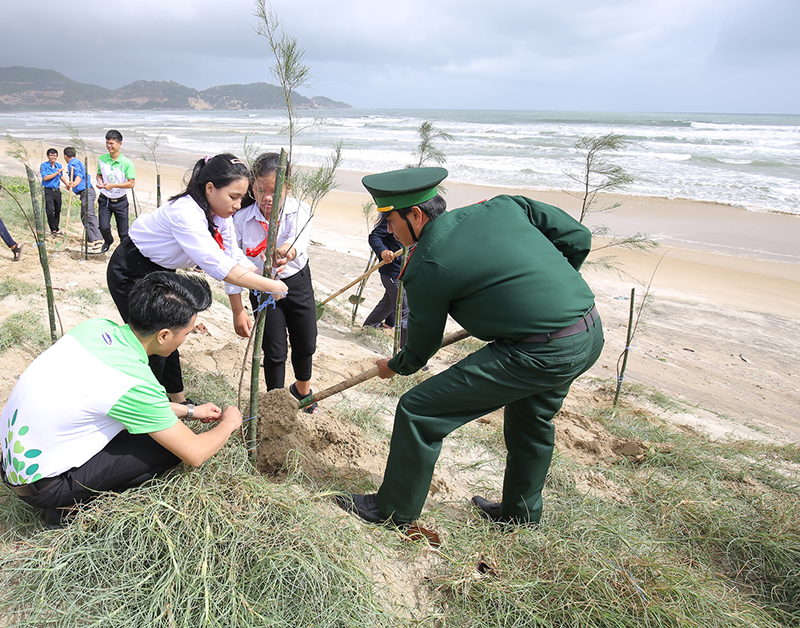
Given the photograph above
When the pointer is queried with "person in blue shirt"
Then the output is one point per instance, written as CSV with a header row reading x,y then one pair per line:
x,y
52,174
81,184
385,244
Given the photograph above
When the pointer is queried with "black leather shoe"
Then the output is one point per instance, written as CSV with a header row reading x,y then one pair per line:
x,y
57,518
365,506
105,247
489,510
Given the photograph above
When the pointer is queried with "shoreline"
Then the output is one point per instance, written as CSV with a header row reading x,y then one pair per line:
x,y
712,252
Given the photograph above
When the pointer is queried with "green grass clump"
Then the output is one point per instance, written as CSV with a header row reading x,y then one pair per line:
x,y
12,285
585,567
24,328
13,218
384,341
222,298
368,418
395,386
89,296
208,387
215,547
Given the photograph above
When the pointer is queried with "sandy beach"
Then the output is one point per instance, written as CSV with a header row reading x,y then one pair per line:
x,y
720,332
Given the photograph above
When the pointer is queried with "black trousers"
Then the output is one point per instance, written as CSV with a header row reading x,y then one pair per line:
x,y
52,206
119,208
128,460
296,315
125,267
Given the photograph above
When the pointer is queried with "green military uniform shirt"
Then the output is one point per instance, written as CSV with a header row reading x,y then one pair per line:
x,y
504,268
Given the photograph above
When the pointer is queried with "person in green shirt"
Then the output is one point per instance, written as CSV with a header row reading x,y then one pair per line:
x,y
507,270
105,423
116,175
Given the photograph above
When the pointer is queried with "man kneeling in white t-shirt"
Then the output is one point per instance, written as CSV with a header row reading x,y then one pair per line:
x,y
105,423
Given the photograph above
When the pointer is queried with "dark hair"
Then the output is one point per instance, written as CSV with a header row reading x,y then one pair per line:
x,y
52,151
432,208
69,152
219,170
264,165
113,134
165,300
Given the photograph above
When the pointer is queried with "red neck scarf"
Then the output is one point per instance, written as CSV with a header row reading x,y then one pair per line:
x,y
218,239
262,246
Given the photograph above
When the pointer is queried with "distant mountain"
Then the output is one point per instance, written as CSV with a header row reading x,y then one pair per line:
x,y
31,89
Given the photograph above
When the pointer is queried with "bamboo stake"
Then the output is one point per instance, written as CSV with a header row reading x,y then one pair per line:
x,y
621,374
69,211
258,334
85,218
398,309
40,245
66,226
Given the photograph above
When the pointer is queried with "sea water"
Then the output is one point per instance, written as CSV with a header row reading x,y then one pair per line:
x,y
750,161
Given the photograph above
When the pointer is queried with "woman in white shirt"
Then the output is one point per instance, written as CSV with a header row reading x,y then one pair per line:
x,y
296,315
194,228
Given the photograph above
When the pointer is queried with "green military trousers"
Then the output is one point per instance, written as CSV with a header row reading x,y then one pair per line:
x,y
529,379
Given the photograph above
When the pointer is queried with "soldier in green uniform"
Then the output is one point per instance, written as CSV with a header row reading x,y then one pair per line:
x,y
507,270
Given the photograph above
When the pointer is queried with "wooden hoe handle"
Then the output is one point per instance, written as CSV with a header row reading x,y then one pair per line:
x,y
362,377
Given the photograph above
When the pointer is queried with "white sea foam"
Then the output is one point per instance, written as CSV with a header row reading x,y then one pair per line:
x,y
751,161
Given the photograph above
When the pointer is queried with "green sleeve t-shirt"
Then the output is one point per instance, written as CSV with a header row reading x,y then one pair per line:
x,y
75,397
117,170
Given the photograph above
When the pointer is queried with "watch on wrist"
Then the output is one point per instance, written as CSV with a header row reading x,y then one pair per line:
x,y
189,411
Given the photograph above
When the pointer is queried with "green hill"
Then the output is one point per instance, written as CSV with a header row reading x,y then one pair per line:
x,y
32,89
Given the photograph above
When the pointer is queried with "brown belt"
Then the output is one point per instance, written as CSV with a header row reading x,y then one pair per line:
x,y
583,324
30,489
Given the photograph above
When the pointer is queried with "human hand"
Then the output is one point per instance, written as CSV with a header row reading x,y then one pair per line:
x,y
242,324
232,418
387,256
278,289
207,413
384,372
283,256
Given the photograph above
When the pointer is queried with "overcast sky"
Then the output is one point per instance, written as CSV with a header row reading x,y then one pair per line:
x,y
737,56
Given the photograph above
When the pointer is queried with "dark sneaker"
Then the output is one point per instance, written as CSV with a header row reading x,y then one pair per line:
x,y
311,408
17,251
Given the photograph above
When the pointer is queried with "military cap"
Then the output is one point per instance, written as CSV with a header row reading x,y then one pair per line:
x,y
399,189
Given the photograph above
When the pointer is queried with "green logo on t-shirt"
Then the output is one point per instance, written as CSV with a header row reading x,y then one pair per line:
x,y
14,453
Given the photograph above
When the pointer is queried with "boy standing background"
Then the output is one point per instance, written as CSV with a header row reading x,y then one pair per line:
x,y
115,176
52,174
79,181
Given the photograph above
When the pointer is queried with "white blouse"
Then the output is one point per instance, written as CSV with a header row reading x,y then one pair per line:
x,y
176,236
250,229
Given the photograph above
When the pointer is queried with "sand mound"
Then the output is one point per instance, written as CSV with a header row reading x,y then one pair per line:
x,y
325,444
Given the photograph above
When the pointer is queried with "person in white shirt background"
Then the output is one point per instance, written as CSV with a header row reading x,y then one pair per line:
x,y
295,315
194,228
